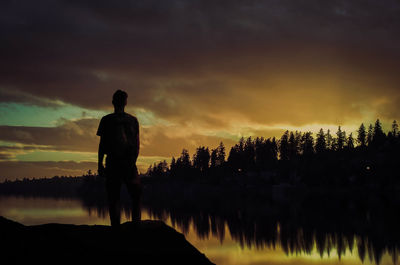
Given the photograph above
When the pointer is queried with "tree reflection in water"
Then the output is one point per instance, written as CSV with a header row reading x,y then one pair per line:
x,y
297,221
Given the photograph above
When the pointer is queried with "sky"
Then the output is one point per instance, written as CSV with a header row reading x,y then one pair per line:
x,y
196,72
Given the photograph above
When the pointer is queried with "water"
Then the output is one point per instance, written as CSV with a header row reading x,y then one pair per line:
x,y
242,238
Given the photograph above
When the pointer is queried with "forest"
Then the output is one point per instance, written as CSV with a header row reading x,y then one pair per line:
x,y
368,158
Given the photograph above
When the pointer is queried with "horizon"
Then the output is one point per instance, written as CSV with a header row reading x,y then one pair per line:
x,y
145,171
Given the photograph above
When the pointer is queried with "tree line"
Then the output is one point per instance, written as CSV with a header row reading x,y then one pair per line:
x,y
296,157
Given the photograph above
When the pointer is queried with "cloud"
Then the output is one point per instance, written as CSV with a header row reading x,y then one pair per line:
x,y
69,136
20,169
169,142
9,95
8,152
206,62
80,136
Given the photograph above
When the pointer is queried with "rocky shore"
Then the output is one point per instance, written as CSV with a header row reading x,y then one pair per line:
x,y
143,242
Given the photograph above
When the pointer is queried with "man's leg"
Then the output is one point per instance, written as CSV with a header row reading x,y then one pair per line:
x,y
113,187
135,191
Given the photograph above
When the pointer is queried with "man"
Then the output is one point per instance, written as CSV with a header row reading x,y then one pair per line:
x,y
119,140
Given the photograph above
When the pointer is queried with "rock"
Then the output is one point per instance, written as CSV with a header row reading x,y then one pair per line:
x,y
142,242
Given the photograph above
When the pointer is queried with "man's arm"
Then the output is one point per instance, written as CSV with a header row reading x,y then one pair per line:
x,y
137,142
100,132
100,167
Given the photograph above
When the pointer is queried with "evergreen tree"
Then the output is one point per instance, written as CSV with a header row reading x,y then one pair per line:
x,y
162,168
201,158
350,142
378,135
150,171
220,159
274,149
249,154
241,145
307,144
362,136
214,158
329,140
284,146
298,136
173,162
218,156
234,157
370,135
260,152
293,146
341,139
320,146
395,128
183,161
265,153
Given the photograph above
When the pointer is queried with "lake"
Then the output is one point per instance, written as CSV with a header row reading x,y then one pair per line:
x,y
276,234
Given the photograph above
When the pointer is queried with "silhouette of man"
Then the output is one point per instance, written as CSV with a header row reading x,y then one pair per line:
x,y
119,140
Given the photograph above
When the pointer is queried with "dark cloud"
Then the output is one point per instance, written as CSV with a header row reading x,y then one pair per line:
x,y
69,136
9,152
5,156
11,95
197,60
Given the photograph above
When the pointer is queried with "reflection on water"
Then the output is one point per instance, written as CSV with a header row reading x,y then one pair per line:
x,y
317,225
251,228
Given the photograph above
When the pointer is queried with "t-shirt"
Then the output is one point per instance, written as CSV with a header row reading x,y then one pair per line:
x,y
119,132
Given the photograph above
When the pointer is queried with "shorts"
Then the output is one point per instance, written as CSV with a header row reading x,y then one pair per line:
x,y
123,170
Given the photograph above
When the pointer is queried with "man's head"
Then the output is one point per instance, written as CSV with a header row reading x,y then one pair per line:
x,y
119,99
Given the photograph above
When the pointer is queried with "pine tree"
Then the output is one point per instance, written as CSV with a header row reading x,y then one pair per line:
x,y
350,142
370,135
362,135
293,149
249,154
395,128
234,157
213,157
201,158
341,139
320,145
183,161
173,164
378,135
260,152
241,145
162,168
307,144
274,149
284,146
329,140
150,170
298,137
220,154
